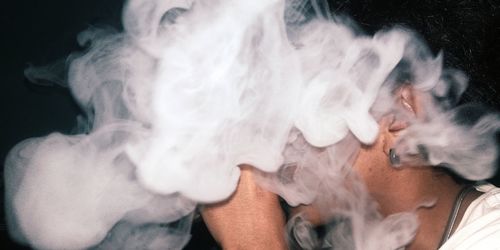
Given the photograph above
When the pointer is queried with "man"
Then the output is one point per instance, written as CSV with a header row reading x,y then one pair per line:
x,y
451,213
252,218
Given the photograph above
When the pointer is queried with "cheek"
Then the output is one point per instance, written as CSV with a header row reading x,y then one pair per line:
x,y
372,163
373,167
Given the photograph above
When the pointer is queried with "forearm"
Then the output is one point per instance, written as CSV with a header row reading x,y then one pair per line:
x,y
250,219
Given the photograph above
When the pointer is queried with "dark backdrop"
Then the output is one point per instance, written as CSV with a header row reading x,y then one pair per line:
x,y
38,32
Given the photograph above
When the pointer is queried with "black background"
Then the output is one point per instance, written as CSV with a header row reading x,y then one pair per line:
x,y
38,32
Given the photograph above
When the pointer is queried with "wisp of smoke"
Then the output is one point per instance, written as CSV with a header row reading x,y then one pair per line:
x,y
192,89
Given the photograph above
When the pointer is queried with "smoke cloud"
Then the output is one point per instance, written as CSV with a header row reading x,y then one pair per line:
x,y
191,89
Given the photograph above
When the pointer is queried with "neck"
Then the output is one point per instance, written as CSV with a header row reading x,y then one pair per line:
x,y
427,186
434,220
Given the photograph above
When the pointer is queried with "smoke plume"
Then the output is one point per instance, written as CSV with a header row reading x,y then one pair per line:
x,y
191,89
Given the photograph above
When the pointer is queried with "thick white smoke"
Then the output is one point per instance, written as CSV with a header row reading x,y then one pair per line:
x,y
190,90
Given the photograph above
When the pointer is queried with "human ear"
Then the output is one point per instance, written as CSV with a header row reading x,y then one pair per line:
x,y
407,98
406,102
406,110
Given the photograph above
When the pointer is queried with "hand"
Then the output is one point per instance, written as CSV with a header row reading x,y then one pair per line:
x,y
250,219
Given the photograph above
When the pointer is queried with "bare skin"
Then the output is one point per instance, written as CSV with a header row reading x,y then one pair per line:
x,y
250,219
406,188
260,225
403,189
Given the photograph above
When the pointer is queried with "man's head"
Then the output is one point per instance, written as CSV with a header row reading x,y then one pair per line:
x,y
373,164
434,145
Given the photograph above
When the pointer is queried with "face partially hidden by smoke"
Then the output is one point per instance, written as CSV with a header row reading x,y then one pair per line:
x,y
191,89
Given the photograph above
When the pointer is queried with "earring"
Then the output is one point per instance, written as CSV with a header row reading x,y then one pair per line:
x,y
393,157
